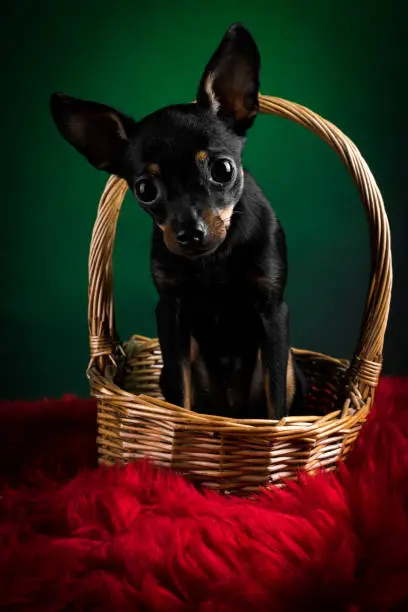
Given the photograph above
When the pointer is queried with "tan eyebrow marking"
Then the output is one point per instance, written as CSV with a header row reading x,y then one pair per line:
x,y
201,156
153,169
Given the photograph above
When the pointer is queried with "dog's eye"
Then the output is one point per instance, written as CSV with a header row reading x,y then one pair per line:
x,y
222,171
147,190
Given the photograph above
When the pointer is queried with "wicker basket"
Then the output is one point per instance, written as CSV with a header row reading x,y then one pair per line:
x,y
227,454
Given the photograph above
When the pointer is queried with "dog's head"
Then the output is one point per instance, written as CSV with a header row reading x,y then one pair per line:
x,y
183,162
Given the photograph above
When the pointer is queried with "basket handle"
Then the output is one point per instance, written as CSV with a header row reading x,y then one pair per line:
x,y
367,360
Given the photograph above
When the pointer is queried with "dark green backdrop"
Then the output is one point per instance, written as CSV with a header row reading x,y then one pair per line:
x,y
345,60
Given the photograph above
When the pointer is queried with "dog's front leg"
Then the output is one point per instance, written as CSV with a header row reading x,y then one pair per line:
x,y
175,339
274,345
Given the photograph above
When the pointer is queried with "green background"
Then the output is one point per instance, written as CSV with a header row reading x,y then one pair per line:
x,y
345,60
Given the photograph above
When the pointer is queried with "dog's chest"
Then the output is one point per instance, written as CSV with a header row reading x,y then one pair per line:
x,y
221,310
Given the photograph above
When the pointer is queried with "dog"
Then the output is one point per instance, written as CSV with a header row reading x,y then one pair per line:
x,y
218,255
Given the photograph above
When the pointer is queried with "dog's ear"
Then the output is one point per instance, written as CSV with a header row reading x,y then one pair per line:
x,y
97,131
230,83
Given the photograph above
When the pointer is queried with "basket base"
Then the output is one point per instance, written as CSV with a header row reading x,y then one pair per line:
x,y
227,455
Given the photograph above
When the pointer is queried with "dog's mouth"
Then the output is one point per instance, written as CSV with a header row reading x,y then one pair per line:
x,y
193,253
216,228
197,253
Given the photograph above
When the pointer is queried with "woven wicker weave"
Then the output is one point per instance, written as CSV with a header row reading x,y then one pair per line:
x,y
218,452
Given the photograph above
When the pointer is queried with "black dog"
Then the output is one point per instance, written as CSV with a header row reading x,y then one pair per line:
x,y
218,255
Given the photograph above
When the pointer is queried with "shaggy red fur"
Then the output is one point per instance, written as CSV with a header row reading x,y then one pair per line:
x,y
73,537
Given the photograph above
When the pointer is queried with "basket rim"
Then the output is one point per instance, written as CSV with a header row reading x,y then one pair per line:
x,y
106,391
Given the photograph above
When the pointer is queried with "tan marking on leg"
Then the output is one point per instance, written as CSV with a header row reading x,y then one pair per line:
x,y
187,385
290,381
271,412
194,350
270,409
290,387
187,379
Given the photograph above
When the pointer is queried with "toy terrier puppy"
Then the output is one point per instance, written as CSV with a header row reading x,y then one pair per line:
x,y
218,256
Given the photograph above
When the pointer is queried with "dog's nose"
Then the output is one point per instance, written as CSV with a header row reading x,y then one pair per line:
x,y
193,236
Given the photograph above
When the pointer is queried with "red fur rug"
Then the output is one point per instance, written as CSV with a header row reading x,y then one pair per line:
x,y
73,537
